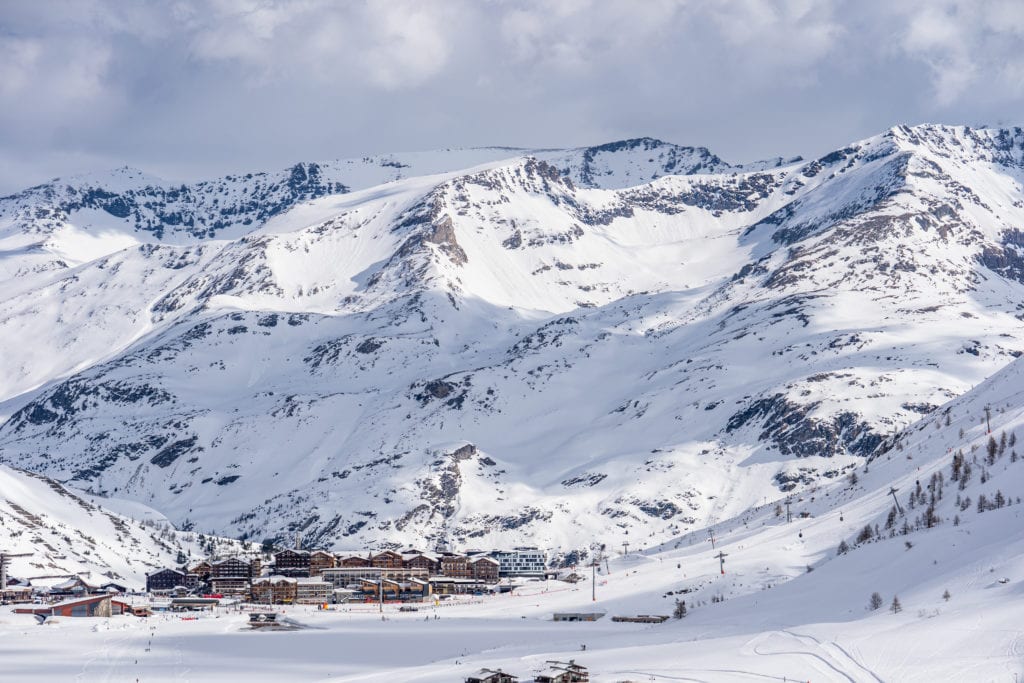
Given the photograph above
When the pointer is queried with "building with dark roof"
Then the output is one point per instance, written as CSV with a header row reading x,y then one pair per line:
x,y
491,676
164,580
292,563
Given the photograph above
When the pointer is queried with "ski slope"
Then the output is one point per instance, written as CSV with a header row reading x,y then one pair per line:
x,y
776,619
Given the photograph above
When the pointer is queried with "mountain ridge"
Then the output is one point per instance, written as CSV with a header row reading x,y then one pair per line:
x,y
614,355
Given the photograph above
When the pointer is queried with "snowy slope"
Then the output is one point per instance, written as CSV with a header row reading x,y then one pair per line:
x,y
117,241
621,342
790,604
788,607
63,533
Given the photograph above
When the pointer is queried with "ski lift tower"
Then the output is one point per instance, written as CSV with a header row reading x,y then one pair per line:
x,y
892,492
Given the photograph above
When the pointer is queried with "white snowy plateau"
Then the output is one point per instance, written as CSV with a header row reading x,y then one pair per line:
x,y
634,343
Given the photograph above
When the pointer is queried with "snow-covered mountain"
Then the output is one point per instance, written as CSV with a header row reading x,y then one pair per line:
x,y
811,597
54,532
487,347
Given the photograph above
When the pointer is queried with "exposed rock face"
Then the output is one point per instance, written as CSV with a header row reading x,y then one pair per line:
x,y
1006,258
443,235
464,452
200,210
790,427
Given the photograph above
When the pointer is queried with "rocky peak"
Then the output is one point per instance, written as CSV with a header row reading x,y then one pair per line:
x,y
1004,146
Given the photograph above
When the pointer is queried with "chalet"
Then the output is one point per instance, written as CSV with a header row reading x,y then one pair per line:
x,y
76,585
274,590
418,560
164,580
564,672
387,559
423,585
15,594
370,587
484,569
114,587
312,590
320,560
414,589
578,671
292,563
235,567
352,561
491,676
203,570
456,567
552,675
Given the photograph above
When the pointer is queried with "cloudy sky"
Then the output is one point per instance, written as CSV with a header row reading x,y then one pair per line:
x,y
190,88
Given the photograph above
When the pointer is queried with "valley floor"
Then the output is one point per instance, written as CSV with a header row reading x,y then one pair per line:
x,y
807,626
791,605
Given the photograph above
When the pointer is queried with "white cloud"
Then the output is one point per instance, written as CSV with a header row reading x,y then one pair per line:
x,y
393,43
44,81
266,82
936,36
785,40
407,43
971,47
585,35
21,59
